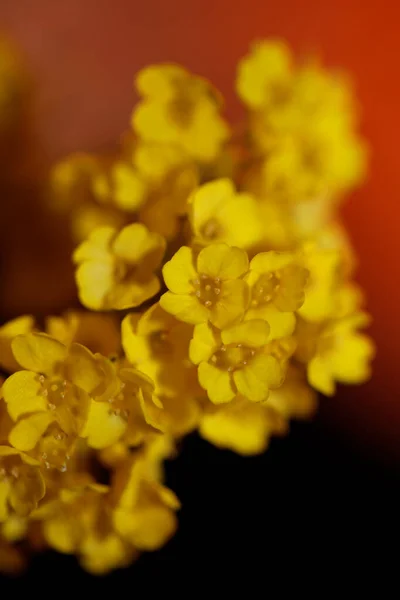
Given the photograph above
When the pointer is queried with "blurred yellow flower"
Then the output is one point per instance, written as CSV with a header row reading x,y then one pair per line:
x,y
219,214
115,270
180,109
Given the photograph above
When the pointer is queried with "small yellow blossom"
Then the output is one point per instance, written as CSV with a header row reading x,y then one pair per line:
x,y
116,270
179,109
21,483
324,267
98,332
336,351
277,282
145,509
49,399
219,214
128,408
241,426
8,331
265,76
236,361
158,344
207,288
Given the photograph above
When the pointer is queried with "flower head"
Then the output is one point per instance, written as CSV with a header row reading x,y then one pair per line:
x,y
179,109
237,360
207,288
277,282
117,270
219,214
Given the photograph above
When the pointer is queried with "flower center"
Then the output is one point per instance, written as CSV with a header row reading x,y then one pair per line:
x,y
119,404
266,288
54,390
160,343
232,357
207,289
211,230
10,469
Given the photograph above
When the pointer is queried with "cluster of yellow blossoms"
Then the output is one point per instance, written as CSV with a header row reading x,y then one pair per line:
x,y
218,283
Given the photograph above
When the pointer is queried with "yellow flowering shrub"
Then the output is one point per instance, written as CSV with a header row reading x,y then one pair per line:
x,y
215,279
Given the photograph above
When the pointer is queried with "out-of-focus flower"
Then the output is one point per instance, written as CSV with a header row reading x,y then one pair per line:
x,y
180,109
8,332
116,270
219,214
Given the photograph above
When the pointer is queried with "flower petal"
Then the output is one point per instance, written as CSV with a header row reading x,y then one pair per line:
x,y
223,261
179,272
184,307
103,428
38,352
82,368
203,343
216,382
254,381
28,431
281,324
253,333
267,262
231,305
21,393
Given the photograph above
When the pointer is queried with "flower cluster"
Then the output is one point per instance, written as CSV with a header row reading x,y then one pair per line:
x,y
218,295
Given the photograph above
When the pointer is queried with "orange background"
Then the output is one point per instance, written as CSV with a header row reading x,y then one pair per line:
x,y
84,53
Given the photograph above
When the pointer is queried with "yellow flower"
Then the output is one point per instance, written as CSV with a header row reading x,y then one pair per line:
x,y
158,344
265,76
324,278
219,214
49,400
277,282
122,185
336,351
236,361
21,483
78,187
145,509
98,332
179,109
116,269
241,426
128,409
8,331
294,399
209,288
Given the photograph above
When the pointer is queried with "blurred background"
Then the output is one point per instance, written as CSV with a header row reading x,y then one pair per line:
x,y
82,55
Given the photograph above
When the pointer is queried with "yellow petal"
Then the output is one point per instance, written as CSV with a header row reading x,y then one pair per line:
x,y
184,307
250,333
135,242
320,377
203,344
267,262
83,370
62,534
8,331
21,393
255,380
223,261
179,272
281,324
231,305
207,200
148,529
38,352
216,382
95,279
136,347
103,427
28,431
